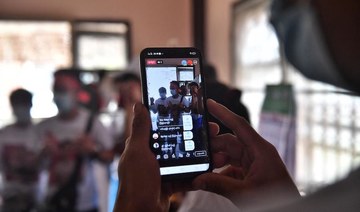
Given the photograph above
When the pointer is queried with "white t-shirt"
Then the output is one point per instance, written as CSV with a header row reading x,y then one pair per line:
x,y
160,101
19,148
92,190
177,100
203,201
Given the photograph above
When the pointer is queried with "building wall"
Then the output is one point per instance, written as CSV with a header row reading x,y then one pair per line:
x,y
218,34
153,23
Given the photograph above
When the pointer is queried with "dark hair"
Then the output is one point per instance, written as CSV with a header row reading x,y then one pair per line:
x,y
210,72
20,96
162,90
193,84
70,72
126,77
175,83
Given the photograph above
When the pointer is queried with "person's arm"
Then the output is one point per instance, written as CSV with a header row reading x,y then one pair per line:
x,y
90,148
98,144
153,106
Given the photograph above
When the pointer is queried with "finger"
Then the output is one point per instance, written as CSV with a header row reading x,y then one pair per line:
x,y
219,160
213,129
226,143
233,172
234,152
218,183
140,132
237,124
178,186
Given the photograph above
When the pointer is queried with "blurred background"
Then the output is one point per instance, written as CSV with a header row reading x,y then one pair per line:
x,y
320,124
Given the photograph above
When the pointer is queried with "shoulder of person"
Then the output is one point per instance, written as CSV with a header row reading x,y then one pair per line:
x,y
6,128
46,122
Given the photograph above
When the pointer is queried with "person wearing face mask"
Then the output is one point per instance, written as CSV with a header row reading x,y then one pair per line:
x,y
322,39
160,105
19,152
177,103
75,143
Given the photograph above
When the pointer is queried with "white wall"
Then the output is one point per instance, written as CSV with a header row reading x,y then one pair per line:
x,y
218,37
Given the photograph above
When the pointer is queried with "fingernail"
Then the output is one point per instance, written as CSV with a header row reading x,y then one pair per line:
x,y
211,100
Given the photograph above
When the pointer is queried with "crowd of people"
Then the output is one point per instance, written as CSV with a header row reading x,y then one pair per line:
x,y
183,99
62,163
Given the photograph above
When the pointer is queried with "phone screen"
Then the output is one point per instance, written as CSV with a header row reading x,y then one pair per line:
x,y
174,93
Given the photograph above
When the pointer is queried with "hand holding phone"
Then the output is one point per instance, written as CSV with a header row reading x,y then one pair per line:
x,y
179,129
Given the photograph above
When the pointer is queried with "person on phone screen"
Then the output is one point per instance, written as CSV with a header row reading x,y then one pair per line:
x,y
160,106
177,103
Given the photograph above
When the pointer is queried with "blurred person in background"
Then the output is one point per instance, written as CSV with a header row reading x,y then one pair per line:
x,y
19,151
78,149
229,97
127,86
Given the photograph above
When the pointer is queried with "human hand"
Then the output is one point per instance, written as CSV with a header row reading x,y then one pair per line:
x,y
51,144
140,186
86,145
152,100
255,176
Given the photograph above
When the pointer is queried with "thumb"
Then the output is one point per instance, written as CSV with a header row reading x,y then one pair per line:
x,y
217,183
140,132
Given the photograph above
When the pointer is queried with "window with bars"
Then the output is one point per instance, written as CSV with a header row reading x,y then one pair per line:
x,y
328,118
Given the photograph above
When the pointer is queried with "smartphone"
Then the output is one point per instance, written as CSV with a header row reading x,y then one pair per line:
x,y
174,93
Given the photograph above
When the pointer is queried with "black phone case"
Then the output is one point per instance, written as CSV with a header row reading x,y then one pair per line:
x,y
176,53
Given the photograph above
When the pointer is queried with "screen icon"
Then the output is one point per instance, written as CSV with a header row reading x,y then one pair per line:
x,y
156,145
181,155
173,155
189,62
200,153
155,136
195,62
187,155
158,157
151,62
166,156
189,145
183,62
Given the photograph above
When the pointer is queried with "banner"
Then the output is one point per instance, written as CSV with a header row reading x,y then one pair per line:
x,y
278,122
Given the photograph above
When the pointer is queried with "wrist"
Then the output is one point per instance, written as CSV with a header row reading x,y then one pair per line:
x,y
93,154
136,201
126,204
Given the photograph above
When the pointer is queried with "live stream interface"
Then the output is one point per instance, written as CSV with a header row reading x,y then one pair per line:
x,y
175,102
